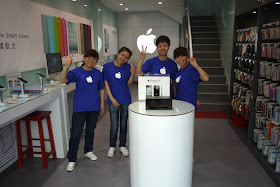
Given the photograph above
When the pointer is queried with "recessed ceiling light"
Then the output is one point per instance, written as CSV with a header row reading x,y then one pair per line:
x,y
74,0
254,12
121,4
99,9
85,5
277,3
126,9
160,3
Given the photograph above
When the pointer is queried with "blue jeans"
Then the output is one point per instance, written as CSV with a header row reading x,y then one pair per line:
x,y
78,120
115,112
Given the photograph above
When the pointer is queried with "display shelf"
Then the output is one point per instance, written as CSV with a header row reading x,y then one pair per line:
x,y
267,15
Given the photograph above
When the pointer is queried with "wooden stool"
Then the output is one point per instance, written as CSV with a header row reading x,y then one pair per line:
x,y
35,116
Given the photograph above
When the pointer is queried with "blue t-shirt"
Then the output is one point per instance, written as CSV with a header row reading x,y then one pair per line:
x,y
156,66
88,84
117,78
186,82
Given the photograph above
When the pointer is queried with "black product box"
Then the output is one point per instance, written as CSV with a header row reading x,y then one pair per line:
x,y
158,103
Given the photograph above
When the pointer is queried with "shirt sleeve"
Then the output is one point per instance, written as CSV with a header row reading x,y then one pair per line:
x,y
101,82
105,73
195,75
174,70
71,77
147,66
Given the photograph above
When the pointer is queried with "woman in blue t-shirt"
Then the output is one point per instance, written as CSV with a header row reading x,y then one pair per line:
x,y
188,77
88,103
118,76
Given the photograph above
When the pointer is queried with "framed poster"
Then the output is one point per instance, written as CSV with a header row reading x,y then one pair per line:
x,y
110,40
72,37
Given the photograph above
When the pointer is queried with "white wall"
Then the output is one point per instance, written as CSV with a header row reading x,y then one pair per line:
x,y
131,25
23,17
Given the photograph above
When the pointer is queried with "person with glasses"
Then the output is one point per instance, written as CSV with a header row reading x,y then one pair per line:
x,y
118,76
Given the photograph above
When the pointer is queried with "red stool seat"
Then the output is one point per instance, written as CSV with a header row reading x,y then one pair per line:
x,y
35,116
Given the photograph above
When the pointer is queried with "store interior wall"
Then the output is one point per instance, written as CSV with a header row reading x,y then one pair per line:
x,y
224,11
138,23
248,5
95,11
105,16
225,23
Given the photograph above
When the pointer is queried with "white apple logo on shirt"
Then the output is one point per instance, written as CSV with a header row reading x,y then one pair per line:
x,y
147,41
118,75
178,79
89,79
162,70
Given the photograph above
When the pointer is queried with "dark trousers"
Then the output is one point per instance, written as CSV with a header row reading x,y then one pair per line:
x,y
78,120
115,113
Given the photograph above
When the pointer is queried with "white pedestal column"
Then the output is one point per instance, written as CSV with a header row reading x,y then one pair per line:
x,y
161,145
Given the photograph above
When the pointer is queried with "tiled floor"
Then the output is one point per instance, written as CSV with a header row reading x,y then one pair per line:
x,y
221,159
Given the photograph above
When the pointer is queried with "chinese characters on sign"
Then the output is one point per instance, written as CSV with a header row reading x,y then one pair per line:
x,y
10,45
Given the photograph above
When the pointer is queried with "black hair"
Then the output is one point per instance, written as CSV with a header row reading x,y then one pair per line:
x,y
180,51
92,53
162,39
127,50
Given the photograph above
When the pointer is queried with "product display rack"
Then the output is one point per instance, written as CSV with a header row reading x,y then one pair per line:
x,y
242,23
264,18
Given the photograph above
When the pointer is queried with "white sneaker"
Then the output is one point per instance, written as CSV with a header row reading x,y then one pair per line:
x,y
124,151
70,166
111,152
91,156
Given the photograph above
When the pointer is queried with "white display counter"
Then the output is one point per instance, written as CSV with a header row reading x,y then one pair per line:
x,y
161,145
54,99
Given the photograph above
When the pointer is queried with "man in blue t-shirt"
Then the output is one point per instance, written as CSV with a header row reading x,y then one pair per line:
x,y
160,64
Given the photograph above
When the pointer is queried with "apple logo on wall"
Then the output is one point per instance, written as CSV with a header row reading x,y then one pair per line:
x,y
147,41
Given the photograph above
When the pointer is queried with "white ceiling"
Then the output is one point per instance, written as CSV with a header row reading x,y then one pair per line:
x,y
141,5
171,8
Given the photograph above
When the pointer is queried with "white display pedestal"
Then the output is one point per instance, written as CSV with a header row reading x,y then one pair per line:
x,y
161,145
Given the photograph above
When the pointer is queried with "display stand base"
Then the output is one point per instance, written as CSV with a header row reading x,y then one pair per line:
x,y
23,95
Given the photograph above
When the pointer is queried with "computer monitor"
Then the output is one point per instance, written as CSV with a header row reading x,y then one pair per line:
x,y
54,65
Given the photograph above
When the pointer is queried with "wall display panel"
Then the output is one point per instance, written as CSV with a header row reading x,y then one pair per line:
x,y
110,40
21,35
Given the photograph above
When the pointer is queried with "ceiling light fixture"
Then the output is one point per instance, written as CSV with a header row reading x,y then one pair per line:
x,y
254,12
121,4
74,0
85,5
99,10
126,9
277,3
160,3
